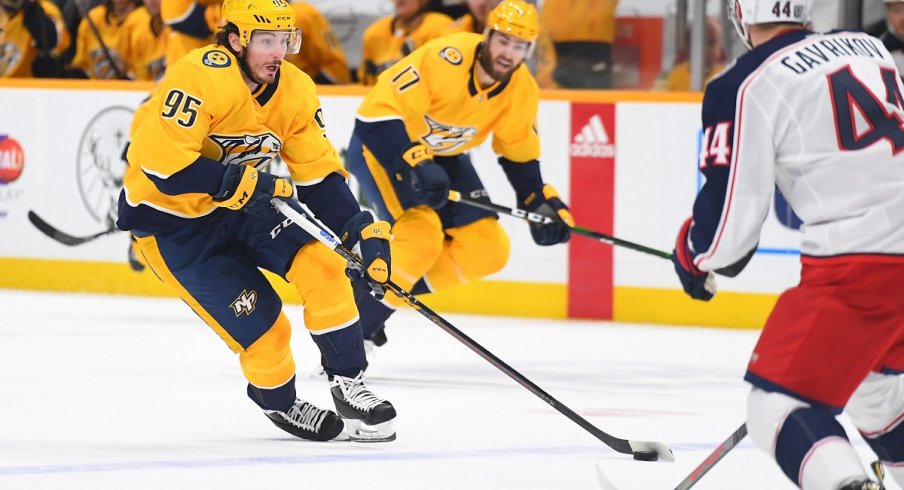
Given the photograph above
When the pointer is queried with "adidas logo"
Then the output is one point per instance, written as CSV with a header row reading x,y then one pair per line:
x,y
592,141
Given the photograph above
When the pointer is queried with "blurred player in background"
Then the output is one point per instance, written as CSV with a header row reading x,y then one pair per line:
x,y
192,25
393,37
201,214
820,117
32,34
893,36
321,55
409,149
104,39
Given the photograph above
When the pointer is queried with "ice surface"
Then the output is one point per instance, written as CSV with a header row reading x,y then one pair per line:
x,y
109,392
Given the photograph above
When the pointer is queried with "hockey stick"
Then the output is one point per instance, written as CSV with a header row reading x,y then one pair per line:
x,y
64,238
641,450
713,458
456,196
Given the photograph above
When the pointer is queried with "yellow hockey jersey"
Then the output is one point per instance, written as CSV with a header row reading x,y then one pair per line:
x,y
192,25
385,44
147,47
435,92
579,20
116,34
321,54
17,46
202,107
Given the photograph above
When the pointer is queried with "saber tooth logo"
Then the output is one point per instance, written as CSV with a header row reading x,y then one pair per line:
x,y
592,141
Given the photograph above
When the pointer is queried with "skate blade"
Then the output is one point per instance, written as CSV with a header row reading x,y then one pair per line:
x,y
358,431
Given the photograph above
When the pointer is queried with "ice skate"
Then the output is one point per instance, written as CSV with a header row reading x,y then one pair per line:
x,y
368,418
309,422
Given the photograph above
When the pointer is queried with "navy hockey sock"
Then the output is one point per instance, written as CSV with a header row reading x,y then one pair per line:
x,y
802,429
342,351
372,312
888,446
280,398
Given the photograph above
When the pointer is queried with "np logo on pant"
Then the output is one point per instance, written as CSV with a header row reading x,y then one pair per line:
x,y
245,303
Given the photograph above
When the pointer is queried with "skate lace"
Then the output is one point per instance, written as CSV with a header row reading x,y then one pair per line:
x,y
307,417
356,394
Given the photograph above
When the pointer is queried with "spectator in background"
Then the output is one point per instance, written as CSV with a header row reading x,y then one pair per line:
x,y
147,51
33,35
452,8
475,21
583,32
192,24
714,56
104,40
321,55
893,37
393,37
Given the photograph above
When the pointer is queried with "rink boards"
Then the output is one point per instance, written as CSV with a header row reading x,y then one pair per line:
x,y
626,163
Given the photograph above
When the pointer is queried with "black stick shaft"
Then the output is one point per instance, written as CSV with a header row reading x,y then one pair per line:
x,y
455,196
713,458
63,237
318,231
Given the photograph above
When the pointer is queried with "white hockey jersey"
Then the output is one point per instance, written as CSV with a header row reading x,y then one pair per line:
x,y
822,117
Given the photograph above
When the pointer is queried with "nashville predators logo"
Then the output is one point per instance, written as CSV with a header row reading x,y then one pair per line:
x,y
451,55
216,59
443,138
255,150
245,303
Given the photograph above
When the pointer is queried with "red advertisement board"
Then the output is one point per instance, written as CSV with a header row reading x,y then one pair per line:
x,y
592,155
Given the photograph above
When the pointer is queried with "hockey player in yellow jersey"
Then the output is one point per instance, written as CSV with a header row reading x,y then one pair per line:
x,y
409,148
389,39
28,28
321,55
200,210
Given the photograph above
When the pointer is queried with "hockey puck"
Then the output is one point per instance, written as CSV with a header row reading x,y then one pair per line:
x,y
646,456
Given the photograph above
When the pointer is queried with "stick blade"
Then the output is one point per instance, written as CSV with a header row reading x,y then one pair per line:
x,y
646,450
64,238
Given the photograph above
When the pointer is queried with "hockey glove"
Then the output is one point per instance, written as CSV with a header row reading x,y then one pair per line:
x,y
697,284
244,187
546,202
427,178
370,241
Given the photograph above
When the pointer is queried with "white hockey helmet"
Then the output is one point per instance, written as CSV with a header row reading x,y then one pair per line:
x,y
745,13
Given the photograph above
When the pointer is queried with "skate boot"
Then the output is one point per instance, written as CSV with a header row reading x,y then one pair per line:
x,y
309,422
368,418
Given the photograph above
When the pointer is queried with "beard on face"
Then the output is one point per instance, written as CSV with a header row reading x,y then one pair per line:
x,y
488,65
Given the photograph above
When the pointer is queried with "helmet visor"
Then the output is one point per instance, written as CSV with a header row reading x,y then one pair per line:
x,y
288,41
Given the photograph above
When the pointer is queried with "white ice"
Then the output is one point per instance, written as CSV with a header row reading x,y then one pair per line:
x,y
110,392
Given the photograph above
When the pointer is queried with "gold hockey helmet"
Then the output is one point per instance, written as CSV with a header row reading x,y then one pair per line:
x,y
517,18
262,15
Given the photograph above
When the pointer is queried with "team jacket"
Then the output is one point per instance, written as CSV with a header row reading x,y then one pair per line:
x,y
434,92
18,46
321,55
203,108
385,44
820,117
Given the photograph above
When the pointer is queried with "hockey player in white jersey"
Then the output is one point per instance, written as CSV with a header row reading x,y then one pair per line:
x,y
820,116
